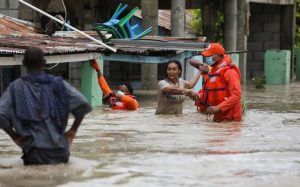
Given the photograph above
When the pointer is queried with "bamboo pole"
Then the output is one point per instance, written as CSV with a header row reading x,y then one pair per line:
x,y
67,25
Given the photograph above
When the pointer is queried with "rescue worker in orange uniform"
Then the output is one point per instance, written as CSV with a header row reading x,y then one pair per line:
x,y
123,99
221,93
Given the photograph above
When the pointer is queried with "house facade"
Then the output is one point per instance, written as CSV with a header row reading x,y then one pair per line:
x,y
254,26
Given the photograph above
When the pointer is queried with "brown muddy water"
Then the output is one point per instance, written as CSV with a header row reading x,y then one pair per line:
x,y
115,148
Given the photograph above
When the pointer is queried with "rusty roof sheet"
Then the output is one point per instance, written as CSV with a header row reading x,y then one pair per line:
x,y
164,19
54,45
12,26
17,35
71,42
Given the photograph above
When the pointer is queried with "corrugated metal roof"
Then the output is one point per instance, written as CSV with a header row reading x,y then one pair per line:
x,y
12,26
164,19
49,44
17,35
71,42
61,45
176,45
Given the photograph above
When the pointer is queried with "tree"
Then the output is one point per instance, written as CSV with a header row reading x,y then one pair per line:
x,y
196,22
197,26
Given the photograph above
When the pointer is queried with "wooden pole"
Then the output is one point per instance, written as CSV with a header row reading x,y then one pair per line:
x,y
230,25
177,18
150,18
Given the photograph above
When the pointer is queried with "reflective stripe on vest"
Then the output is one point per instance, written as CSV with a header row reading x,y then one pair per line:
x,y
215,89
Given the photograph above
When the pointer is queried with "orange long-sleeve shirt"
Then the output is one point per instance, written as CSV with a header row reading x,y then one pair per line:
x,y
104,86
231,108
131,104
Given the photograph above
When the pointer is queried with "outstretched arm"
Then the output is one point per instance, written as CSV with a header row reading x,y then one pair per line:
x,y
95,65
174,91
203,69
170,90
191,83
101,80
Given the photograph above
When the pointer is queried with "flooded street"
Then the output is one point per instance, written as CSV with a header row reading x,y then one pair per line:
x,y
138,148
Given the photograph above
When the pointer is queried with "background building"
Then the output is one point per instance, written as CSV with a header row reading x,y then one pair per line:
x,y
249,25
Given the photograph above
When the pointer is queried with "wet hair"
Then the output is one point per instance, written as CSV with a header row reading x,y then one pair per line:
x,y
178,65
129,87
33,57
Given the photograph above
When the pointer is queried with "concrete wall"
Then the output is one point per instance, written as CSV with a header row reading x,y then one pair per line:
x,y
264,35
9,8
75,74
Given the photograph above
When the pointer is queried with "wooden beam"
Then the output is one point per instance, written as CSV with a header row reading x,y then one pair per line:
x,y
53,59
230,25
274,2
150,19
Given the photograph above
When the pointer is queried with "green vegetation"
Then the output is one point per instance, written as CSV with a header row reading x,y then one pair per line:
x,y
196,24
220,27
259,81
297,42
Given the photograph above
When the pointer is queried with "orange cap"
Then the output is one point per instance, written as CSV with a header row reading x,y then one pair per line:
x,y
213,49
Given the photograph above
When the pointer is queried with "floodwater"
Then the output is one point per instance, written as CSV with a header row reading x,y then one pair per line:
x,y
138,148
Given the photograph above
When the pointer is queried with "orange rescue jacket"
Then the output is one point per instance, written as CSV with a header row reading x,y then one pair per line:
x,y
215,90
127,102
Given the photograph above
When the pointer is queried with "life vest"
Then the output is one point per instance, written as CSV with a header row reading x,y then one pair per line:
x,y
116,104
214,89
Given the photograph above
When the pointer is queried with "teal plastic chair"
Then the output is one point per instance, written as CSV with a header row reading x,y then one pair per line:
x,y
120,28
103,37
144,33
109,26
121,23
111,30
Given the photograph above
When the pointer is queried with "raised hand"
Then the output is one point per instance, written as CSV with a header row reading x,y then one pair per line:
x,y
95,65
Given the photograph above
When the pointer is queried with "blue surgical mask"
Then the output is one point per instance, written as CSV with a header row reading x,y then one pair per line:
x,y
210,61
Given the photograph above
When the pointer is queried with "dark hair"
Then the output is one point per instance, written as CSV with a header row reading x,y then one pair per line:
x,y
129,87
33,56
178,65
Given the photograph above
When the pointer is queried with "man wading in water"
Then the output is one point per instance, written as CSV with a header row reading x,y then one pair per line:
x,y
34,112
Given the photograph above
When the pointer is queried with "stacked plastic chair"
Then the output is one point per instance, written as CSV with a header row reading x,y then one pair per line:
x,y
120,28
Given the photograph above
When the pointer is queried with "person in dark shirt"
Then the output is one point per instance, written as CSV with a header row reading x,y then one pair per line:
x,y
34,112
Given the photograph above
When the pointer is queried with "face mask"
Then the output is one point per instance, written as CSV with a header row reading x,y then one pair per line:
x,y
210,61
119,92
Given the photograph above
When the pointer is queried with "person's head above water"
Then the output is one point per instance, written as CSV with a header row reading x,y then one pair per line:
x,y
34,58
126,88
173,70
214,53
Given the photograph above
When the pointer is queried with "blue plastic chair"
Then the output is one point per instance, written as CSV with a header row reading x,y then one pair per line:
x,y
121,28
109,26
144,33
